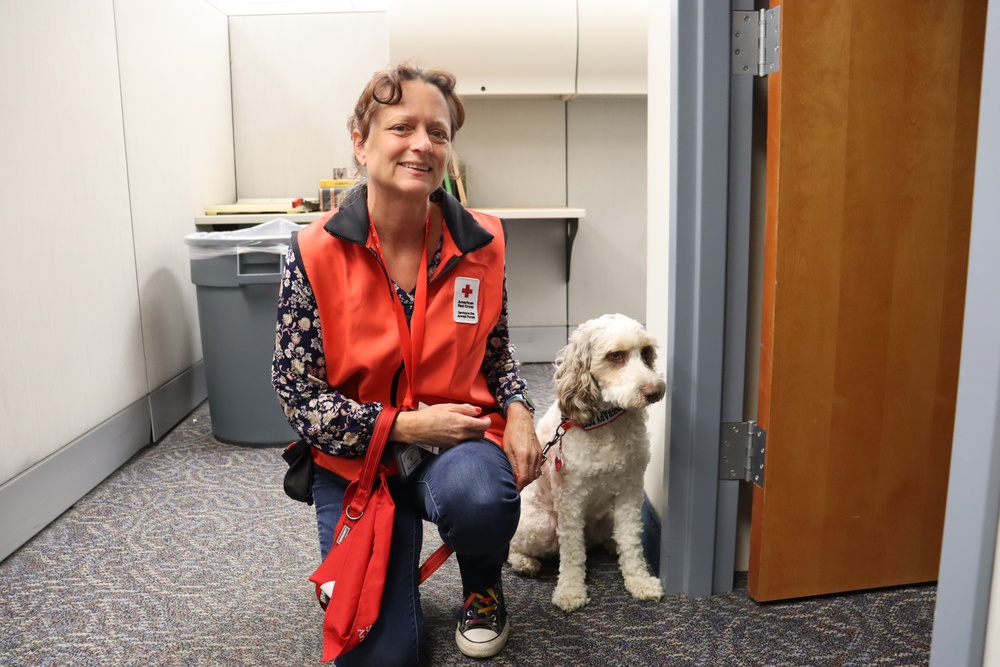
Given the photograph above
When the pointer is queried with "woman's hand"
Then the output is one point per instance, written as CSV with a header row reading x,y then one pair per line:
x,y
521,445
444,425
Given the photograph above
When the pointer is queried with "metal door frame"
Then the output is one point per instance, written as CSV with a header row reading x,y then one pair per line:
x,y
970,526
709,251
708,155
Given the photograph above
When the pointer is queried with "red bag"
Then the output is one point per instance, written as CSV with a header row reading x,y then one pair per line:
x,y
357,561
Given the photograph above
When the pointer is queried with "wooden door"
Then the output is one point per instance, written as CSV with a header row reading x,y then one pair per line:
x,y
871,149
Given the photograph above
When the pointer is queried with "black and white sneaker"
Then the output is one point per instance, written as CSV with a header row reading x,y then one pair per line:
x,y
483,629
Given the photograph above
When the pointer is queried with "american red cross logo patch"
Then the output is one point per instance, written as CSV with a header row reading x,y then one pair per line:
x,y
466,300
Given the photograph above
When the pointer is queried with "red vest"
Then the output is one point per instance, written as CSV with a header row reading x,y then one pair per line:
x,y
357,313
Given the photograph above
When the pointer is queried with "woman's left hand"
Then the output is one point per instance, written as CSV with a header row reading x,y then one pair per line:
x,y
521,445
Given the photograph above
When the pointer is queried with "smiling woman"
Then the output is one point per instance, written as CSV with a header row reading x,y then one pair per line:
x,y
398,299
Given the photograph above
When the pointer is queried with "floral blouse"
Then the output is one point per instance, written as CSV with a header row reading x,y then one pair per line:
x,y
322,415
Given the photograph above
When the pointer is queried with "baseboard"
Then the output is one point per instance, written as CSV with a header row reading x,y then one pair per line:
x,y
537,344
36,497
171,403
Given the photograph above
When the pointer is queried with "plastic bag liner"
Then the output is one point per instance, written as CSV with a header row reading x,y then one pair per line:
x,y
271,237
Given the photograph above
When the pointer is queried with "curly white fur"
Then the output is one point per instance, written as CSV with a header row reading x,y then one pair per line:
x,y
596,495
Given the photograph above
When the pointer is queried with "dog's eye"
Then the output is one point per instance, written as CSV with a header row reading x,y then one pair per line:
x,y
617,356
648,355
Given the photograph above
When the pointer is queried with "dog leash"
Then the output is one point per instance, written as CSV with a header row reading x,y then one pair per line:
x,y
564,426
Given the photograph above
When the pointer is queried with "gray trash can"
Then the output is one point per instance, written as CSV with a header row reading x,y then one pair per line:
x,y
236,275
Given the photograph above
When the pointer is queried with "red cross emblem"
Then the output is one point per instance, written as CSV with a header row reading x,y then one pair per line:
x,y
467,290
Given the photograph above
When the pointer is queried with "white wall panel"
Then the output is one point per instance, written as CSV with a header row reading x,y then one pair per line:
x,y
606,151
174,61
612,55
296,78
660,162
991,652
514,155
69,312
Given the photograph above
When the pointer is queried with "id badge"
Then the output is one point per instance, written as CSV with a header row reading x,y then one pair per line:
x,y
409,458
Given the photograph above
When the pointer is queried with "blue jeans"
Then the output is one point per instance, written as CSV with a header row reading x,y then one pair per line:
x,y
468,491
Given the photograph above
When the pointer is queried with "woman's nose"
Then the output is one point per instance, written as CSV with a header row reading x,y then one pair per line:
x,y
422,141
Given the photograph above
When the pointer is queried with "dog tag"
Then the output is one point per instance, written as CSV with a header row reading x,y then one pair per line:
x,y
558,464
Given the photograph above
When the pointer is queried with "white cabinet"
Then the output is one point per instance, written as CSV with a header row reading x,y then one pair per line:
x,y
612,53
512,48
556,48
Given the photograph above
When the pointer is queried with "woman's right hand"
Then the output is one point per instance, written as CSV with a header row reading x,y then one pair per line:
x,y
444,425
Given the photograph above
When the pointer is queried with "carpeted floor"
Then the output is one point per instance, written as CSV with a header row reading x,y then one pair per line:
x,y
190,554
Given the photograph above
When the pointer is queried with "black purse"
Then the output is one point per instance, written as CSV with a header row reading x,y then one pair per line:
x,y
299,476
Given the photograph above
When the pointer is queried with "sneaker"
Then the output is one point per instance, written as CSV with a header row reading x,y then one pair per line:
x,y
483,629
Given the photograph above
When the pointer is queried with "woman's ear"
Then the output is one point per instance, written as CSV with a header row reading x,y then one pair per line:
x,y
360,150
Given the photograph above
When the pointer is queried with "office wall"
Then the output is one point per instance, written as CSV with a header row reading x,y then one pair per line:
x,y
296,78
174,64
70,313
514,155
659,161
967,605
583,153
991,650
606,158
116,130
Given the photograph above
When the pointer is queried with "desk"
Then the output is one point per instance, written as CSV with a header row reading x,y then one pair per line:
x,y
536,341
571,216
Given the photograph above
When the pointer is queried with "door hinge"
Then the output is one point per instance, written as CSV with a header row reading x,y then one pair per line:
x,y
741,452
755,42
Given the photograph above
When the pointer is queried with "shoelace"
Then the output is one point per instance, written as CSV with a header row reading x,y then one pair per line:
x,y
481,606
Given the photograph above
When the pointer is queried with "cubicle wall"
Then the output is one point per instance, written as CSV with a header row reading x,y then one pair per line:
x,y
174,66
296,78
116,131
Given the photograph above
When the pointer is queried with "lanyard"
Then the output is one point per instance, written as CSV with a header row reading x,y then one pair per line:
x,y
411,337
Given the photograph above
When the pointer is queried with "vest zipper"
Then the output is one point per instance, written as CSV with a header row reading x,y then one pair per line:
x,y
447,267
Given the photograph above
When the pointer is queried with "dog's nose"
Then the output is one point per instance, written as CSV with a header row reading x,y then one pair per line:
x,y
652,392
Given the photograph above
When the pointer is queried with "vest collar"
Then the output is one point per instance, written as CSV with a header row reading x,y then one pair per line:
x,y
350,222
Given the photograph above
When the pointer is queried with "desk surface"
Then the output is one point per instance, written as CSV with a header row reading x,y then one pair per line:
x,y
542,213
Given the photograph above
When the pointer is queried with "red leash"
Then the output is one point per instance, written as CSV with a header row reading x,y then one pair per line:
x,y
434,561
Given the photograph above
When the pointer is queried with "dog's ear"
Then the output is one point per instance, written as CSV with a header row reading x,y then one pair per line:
x,y
576,389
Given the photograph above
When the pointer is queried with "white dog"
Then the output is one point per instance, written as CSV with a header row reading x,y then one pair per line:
x,y
591,490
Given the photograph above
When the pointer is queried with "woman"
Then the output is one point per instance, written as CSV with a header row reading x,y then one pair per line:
x,y
399,298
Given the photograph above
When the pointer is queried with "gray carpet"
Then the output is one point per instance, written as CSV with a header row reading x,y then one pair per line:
x,y
190,554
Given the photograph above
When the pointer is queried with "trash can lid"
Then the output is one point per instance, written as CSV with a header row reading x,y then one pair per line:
x,y
278,230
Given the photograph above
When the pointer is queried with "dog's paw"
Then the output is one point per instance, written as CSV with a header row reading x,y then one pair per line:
x,y
644,587
569,597
523,564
